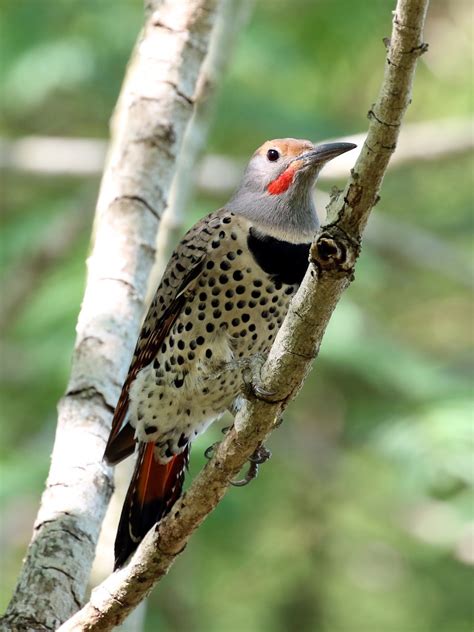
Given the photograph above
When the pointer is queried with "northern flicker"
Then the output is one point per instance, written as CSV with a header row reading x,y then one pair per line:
x,y
221,300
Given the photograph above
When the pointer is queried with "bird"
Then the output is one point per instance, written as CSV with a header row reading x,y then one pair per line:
x,y
221,300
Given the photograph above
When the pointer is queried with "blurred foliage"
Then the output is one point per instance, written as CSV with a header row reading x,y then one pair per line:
x,y
361,520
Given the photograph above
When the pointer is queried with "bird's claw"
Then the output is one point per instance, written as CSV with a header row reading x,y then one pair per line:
x,y
209,452
260,455
261,393
252,380
251,474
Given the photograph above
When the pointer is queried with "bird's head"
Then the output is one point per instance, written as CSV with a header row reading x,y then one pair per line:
x,y
276,190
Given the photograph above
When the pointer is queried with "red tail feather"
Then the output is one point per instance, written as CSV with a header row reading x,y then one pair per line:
x,y
153,490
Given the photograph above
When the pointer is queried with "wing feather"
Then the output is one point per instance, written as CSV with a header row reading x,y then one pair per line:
x,y
155,329
179,278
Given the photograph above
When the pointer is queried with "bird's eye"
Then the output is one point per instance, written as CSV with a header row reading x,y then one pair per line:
x,y
272,155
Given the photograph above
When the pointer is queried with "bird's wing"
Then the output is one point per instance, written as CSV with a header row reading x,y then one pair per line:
x,y
179,278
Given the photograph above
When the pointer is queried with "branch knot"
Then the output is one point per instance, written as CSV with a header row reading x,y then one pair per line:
x,y
334,250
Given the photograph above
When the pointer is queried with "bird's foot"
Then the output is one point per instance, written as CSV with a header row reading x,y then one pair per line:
x,y
210,451
260,455
251,375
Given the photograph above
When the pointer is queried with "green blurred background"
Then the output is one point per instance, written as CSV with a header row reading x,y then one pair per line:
x,y
362,520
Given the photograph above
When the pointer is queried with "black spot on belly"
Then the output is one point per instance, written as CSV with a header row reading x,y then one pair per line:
x,y
283,261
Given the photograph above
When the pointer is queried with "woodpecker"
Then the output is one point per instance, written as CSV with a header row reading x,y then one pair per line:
x,y
222,298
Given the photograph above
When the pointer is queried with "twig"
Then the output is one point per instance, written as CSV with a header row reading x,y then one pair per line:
x,y
155,104
333,254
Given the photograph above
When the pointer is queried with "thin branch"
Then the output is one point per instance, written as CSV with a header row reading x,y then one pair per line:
x,y
48,155
155,105
54,155
333,255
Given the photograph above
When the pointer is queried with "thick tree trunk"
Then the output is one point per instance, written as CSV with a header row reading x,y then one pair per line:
x,y
155,105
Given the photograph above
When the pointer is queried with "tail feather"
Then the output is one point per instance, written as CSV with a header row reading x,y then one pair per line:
x,y
120,445
153,490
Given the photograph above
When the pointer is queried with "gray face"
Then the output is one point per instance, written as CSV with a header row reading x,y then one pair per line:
x,y
276,190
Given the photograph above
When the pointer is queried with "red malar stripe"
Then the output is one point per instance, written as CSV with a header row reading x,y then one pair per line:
x,y
281,184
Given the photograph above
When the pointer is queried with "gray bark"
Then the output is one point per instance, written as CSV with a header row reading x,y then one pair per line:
x,y
155,104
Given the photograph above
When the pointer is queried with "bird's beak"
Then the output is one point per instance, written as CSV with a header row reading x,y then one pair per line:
x,y
323,153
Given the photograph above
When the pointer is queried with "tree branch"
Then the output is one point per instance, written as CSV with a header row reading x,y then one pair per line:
x,y
51,155
333,256
154,107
